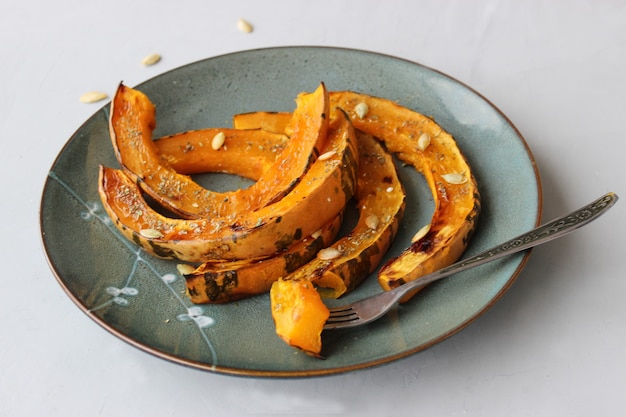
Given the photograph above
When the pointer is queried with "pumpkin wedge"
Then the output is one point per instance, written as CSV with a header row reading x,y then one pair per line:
x,y
324,190
419,141
223,281
132,121
249,153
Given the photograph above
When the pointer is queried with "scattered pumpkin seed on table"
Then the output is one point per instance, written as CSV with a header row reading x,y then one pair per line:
x,y
244,26
93,96
151,59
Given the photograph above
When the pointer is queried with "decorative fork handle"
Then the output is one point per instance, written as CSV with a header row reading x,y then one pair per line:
x,y
542,234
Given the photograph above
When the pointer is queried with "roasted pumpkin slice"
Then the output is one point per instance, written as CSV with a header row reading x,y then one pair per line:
x,y
318,197
223,281
419,141
339,268
249,153
132,121
299,314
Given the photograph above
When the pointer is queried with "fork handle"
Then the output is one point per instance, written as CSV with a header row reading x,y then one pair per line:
x,y
556,228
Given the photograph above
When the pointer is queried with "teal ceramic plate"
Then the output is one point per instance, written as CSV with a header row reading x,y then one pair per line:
x,y
141,299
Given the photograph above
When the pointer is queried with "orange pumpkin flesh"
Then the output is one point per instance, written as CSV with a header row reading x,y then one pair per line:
x,y
324,190
299,314
132,121
249,153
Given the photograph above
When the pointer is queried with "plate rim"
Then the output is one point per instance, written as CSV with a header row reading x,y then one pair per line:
x,y
234,371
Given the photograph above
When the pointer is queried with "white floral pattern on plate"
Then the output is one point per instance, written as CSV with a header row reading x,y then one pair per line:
x,y
120,296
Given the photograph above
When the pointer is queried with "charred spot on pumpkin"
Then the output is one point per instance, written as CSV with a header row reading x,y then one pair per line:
x,y
425,244
137,240
319,271
397,282
284,242
211,289
471,231
295,260
477,205
359,269
323,116
468,236
236,227
192,292
217,285
160,251
348,181
471,217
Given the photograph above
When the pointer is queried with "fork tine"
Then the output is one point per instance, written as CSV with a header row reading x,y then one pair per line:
x,y
341,320
340,317
340,310
331,325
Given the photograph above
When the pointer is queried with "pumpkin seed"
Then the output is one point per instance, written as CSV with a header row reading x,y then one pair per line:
x,y
151,59
423,142
421,233
184,269
328,254
372,221
150,233
93,96
218,141
326,155
244,26
361,109
455,178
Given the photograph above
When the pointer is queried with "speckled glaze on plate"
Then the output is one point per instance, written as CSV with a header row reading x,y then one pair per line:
x,y
141,299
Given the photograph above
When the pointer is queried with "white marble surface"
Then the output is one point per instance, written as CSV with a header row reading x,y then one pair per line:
x,y
554,345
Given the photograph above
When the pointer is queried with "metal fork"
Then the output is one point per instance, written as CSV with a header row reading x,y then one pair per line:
x,y
372,308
